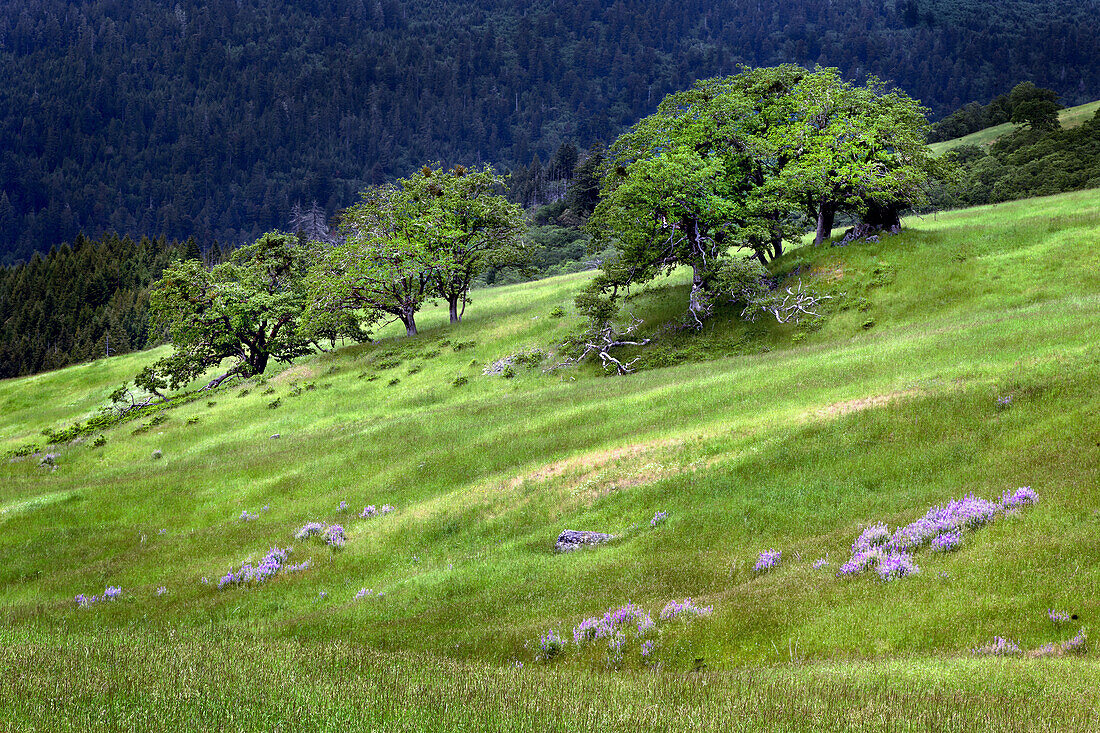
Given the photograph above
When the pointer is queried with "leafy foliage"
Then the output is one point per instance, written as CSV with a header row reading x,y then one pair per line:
x,y
246,310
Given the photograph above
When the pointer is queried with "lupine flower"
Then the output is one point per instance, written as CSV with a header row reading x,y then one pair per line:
x,y
647,647
550,645
343,507
386,508
822,562
684,609
999,648
247,516
658,518
304,565
322,595
862,561
267,568
1078,644
82,600
162,531
1004,402
112,592
1021,497
601,628
265,508
896,565
875,535
335,537
161,590
1058,617
363,593
310,529
946,541
368,512
768,560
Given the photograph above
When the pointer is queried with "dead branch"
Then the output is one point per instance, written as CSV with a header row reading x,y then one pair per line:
x,y
600,341
789,308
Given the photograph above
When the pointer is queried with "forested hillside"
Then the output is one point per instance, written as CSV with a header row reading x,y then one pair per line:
x,y
213,118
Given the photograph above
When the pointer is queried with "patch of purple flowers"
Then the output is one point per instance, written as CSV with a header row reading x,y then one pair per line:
x,y
310,529
247,516
1078,644
1003,403
658,518
335,537
821,562
1058,617
550,645
299,567
1000,647
684,609
248,574
946,541
942,527
109,594
613,620
368,512
768,559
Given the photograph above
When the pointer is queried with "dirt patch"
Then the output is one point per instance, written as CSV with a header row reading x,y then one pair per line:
x,y
295,373
591,463
863,403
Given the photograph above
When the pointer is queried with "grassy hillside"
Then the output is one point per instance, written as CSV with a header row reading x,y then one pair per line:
x,y
1069,117
960,356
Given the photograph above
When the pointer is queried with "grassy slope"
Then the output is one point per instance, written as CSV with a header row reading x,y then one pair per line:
x,y
1069,117
793,443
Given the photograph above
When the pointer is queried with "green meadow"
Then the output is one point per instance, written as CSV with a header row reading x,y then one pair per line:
x,y
958,357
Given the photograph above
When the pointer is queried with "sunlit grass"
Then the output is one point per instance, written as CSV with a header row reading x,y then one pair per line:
x,y
794,439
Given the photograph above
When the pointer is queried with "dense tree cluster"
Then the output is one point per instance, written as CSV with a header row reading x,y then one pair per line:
x,y
1026,104
746,162
213,118
1029,162
77,301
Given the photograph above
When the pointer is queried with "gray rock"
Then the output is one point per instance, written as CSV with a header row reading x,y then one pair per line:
x,y
572,539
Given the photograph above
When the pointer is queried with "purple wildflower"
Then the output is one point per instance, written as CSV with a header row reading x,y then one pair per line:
x,y
1058,617
684,609
1004,402
299,567
946,541
768,560
822,562
310,529
1000,647
112,592
647,648
161,590
1078,644
550,645
610,625
658,518
875,535
343,507
1021,497
82,600
267,568
335,537
322,595
368,512
247,516
896,565
363,593
386,508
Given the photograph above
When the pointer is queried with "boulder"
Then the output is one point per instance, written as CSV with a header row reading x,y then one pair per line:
x,y
572,539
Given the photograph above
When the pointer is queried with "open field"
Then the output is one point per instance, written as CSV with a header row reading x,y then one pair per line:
x,y
959,356
1069,117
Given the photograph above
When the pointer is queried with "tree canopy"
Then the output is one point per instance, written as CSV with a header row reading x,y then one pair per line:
x,y
246,310
745,161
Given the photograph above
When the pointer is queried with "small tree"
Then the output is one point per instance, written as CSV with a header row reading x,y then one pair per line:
x,y
384,267
246,310
470,227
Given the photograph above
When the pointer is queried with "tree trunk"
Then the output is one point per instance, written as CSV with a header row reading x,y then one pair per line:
x,y
825,217
452,301
258,363
410,324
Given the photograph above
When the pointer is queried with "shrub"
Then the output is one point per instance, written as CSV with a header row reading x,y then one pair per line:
x,y
99,442
157,454
459,381
557,312
274,404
